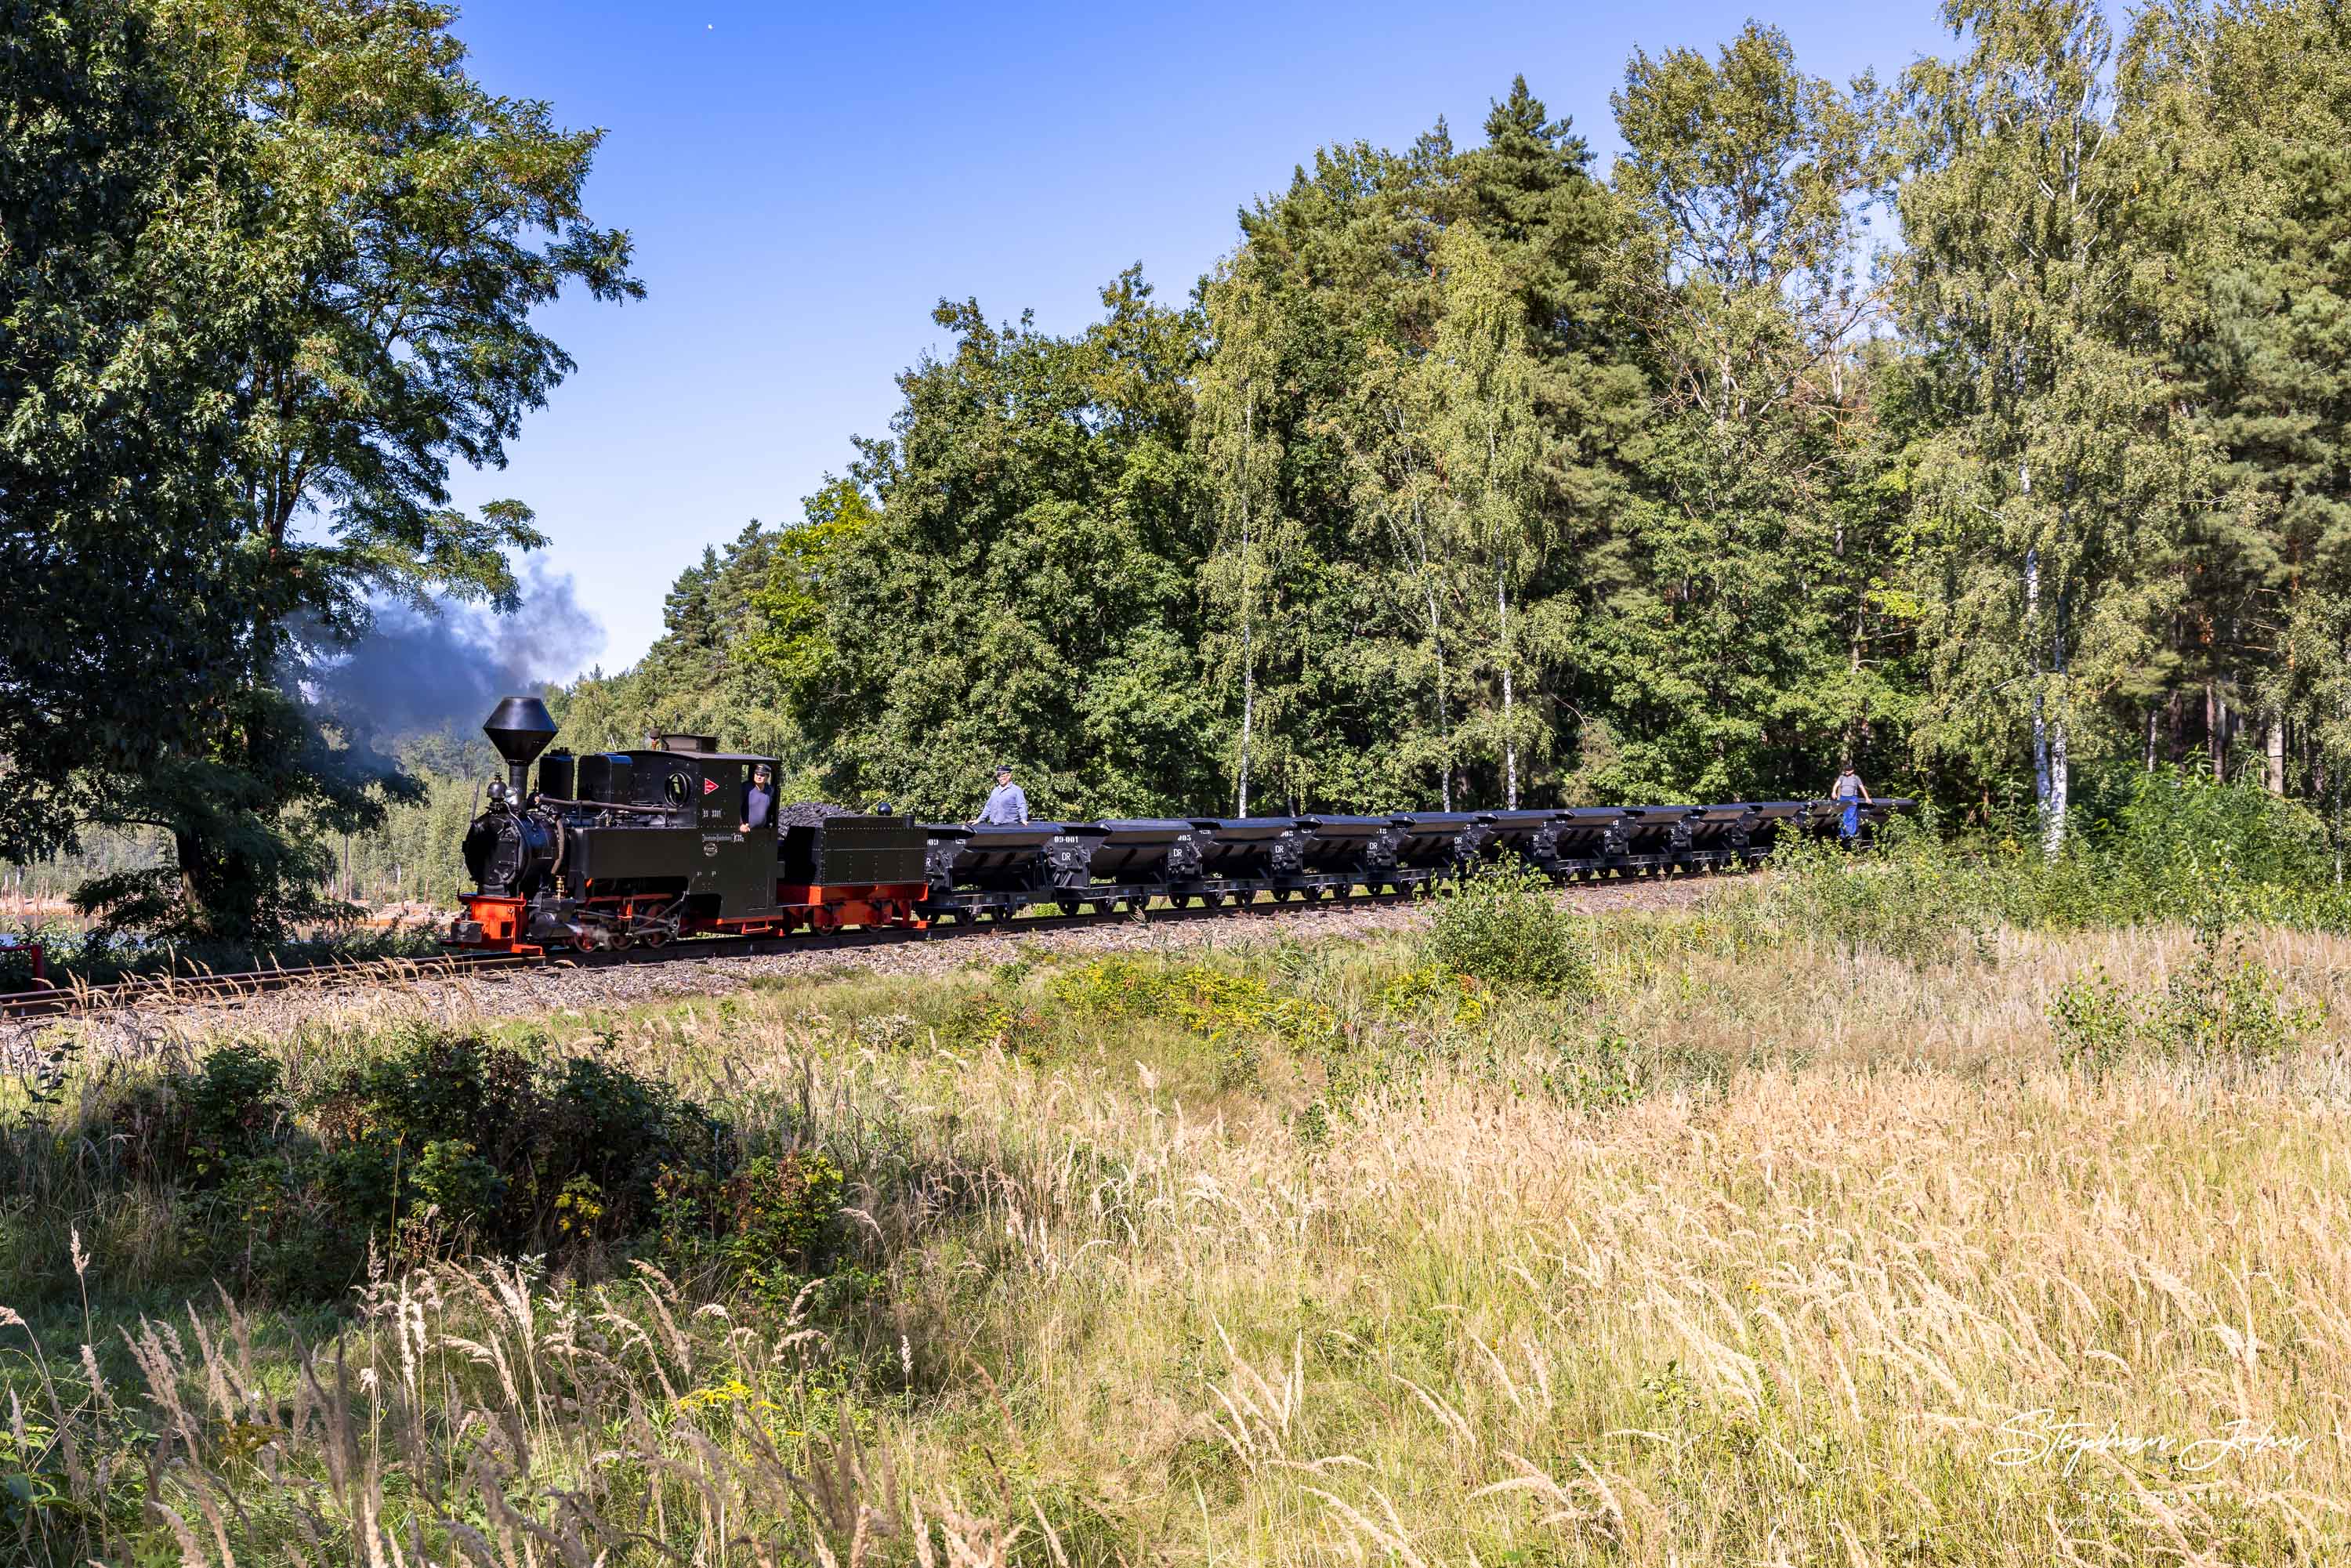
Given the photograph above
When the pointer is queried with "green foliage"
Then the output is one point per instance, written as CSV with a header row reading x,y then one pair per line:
x,y
1595,1073
714,670
1458,995
986,1020
1010,578
1904,903
499,1142
2223,1006
122,331
232,1109
1214,1004
1505,926
2161,847
784,1209
2094,1021
2180,847
449,1144
1468,477
326,242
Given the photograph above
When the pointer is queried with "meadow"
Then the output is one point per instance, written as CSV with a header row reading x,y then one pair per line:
x,y
1841,1219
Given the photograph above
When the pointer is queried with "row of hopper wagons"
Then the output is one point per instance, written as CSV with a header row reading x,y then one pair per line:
x,y
995,871
648,846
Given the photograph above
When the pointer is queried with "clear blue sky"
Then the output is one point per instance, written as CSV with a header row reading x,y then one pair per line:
x,y
804,185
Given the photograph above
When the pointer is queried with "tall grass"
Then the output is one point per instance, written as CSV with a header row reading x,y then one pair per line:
x,y
1773,1249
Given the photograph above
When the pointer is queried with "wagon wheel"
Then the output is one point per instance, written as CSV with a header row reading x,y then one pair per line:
x,y
1068,905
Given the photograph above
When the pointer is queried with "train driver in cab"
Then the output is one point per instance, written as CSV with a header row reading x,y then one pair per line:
x,y
759,799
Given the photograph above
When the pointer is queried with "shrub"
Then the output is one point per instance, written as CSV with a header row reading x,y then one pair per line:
x,y
192,1127
2094,1022
1432,985
2147,846
784,1209
2221,1007
496,1141
1503,926
2217,1008
1214,1004
1917,901
982,1019
449,1143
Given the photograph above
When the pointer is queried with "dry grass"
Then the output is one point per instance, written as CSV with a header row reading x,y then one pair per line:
x,y
1773,1256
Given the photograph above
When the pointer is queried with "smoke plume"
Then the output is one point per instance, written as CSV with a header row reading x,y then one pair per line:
x,y
417,673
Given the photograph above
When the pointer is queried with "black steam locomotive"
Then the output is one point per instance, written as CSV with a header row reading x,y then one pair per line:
x,y
644,847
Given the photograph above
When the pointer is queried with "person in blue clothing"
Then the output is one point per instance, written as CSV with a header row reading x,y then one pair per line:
x,y
1009,802
1849,793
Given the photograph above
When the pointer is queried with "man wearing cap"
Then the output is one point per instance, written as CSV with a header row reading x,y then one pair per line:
x,y
759,799
1007,803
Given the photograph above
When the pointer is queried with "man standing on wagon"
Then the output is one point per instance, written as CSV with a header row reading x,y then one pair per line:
x,y
1849,792
1009,802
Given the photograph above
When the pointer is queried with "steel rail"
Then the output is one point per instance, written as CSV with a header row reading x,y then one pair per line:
x,y
217,989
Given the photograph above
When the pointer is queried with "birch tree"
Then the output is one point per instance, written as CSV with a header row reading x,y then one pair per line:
x,y
1240,434
2056,453
1476,386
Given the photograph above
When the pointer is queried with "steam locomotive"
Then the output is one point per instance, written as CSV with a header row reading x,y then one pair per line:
x,y
646,847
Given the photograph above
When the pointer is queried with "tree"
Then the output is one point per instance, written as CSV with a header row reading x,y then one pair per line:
x,y
1333,275
2058,465
1255,541
397,258
1015,581
2240,187
1742,641
119,325
1477,385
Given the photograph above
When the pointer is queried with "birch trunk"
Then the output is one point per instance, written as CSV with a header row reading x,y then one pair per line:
x,y
1510,738
2216,730
1249,652
2041,794
2061,774
1444,731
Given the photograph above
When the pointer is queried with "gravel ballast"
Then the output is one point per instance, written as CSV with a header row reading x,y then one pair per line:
x,y
496,995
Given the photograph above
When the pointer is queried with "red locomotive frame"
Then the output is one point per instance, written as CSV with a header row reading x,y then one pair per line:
x,y
504,919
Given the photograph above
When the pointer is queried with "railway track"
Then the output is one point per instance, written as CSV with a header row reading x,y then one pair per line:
x,y
167,991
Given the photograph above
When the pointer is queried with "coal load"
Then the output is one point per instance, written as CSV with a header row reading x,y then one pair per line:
x,y
809,814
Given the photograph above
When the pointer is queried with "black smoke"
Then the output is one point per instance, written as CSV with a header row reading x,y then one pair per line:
x,y
441,672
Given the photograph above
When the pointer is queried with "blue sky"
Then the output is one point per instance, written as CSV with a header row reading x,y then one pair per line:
x,y
803,185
